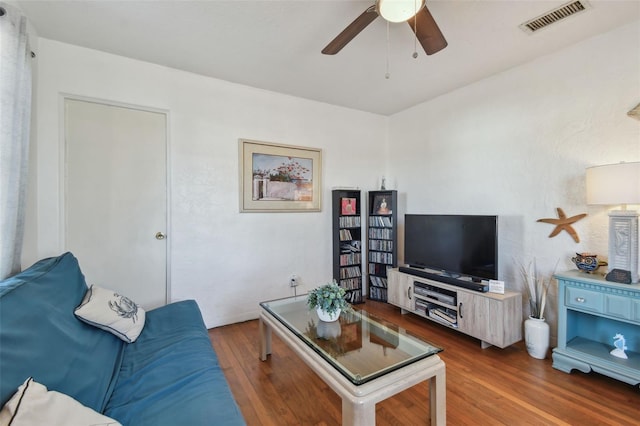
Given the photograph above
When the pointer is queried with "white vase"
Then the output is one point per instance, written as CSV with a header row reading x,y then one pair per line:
x,y
328,330
327,317
536,337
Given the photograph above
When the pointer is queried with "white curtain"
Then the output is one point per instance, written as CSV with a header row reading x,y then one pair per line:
x,y
15,113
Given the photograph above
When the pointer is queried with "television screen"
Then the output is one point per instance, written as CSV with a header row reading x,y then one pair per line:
x,y
458,245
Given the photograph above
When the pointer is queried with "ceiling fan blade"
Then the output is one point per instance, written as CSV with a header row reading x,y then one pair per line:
x,y
427,31
352,30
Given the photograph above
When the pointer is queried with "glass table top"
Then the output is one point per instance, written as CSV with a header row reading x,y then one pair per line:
x,y
359,345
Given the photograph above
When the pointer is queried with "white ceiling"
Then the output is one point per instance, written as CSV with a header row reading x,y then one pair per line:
x,y
275,45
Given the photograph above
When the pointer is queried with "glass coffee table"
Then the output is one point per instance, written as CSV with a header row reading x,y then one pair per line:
x,y
364,359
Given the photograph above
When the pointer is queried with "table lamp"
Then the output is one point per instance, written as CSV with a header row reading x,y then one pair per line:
x,y
618,184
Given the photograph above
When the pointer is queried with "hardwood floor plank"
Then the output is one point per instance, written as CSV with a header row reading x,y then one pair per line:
x,y
245,392
484,386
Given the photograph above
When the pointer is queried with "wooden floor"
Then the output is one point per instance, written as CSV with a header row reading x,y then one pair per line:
x,y
484,387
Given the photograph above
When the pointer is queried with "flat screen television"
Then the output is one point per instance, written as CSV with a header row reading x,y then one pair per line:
x,y
456,245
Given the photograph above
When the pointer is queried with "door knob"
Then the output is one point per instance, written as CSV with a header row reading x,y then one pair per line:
x,y
160,236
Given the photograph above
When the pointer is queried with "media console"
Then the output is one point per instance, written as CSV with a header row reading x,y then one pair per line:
x,y
495,319
434,275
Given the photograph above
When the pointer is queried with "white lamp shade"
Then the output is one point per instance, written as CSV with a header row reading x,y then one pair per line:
x,y
398,10
614,184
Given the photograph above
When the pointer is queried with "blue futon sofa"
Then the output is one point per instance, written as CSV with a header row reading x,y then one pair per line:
x,y
168,376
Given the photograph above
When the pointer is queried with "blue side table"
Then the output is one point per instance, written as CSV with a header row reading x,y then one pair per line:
x,y
591,311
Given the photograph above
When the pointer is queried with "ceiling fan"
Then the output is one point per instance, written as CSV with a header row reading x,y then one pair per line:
x,y
414,12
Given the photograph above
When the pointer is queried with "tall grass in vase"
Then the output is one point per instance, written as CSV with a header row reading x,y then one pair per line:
x,y
536,288
536,330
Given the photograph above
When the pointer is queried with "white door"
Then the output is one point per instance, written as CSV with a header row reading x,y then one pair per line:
x,y
116,198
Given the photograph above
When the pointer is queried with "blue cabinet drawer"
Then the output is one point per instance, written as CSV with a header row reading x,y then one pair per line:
x,y
584,299
635,311
618,307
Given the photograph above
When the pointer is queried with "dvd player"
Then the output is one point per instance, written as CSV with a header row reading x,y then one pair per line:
x,y
482,287
444,298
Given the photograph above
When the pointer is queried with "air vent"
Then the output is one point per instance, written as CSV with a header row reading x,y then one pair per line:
x,y
555,15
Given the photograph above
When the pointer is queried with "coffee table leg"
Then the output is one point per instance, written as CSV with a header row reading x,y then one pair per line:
x,y
265,340
437,398
358,413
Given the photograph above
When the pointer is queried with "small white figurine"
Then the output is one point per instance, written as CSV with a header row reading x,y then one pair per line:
x,y
621,345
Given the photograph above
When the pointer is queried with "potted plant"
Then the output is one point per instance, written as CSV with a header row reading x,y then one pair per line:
x,y
536,330
328,300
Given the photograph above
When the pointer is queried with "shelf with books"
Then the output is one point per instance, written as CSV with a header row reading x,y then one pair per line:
x,y
347,242
382,241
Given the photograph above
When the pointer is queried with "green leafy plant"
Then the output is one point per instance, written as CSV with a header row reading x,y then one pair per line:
x,y
329,298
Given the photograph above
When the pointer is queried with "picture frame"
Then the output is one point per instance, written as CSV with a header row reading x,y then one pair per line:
x,y
348,206
382,205
279,178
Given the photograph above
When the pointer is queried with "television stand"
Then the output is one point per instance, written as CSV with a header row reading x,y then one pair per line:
x,y
438,276
495,319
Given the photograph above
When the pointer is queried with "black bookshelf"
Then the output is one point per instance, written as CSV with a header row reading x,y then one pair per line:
x,y
382,241
347,242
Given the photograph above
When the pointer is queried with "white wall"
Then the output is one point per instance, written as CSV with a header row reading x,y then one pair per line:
x,y
30,239
226,260
517,145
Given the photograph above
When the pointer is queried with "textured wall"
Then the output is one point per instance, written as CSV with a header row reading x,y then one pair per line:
x,y
517,145
226,260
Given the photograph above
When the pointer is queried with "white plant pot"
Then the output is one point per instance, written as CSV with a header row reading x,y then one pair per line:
x,y
324,316
536,337
328,330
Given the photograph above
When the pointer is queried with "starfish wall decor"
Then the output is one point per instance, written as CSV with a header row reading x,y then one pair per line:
x,y
564,223
635,112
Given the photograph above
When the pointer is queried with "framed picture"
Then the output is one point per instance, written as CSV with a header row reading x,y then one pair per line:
x,y
382,205
279,178
348,206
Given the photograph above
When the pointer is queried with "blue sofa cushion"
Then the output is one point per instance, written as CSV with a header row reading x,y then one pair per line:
x,y
171,375
41,338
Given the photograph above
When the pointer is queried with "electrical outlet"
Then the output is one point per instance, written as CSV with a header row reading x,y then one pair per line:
x,y
293,281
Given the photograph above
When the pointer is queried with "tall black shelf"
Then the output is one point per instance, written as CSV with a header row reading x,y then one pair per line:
x,y
347,242
382,238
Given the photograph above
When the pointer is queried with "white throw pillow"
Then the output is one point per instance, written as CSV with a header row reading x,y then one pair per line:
x,y
111,312
34,405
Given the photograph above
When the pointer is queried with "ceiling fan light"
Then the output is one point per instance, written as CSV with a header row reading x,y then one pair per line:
x,y
398,10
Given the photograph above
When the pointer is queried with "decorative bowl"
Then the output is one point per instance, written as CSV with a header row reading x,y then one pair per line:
x,y
587,262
